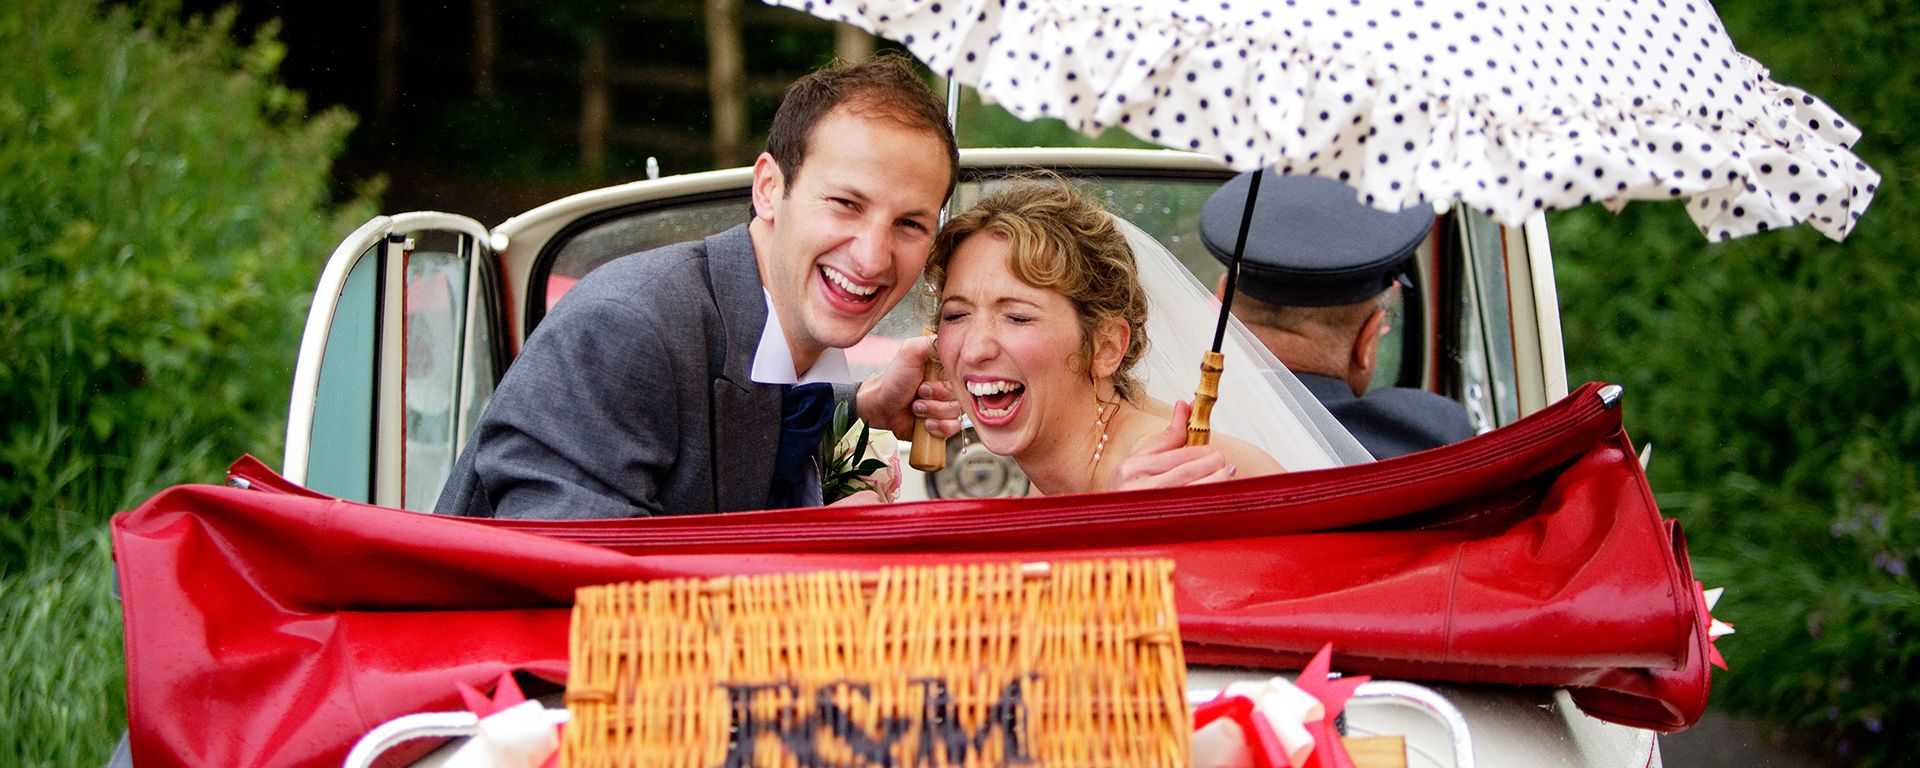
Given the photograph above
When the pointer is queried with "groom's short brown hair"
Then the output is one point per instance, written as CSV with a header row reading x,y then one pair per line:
x,y
884,86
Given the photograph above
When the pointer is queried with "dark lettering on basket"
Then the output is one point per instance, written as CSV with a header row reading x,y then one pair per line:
x,y
940,721
942,734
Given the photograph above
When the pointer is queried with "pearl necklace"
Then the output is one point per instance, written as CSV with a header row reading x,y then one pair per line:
x,y
1103,413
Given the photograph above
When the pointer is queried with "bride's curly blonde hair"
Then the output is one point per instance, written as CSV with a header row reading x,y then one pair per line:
x,y
1059,240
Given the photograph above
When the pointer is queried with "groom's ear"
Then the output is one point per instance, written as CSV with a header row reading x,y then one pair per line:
x,y
1110,340
769,185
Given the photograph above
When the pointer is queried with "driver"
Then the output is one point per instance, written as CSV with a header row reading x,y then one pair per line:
x,y
698,377
1316,283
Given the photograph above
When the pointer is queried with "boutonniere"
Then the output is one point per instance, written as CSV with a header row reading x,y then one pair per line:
x,y
855,459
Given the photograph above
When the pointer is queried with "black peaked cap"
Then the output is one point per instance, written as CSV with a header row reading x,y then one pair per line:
x,y
1312,242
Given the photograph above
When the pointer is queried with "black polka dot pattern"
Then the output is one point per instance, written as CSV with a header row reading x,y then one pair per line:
x,y
1508,106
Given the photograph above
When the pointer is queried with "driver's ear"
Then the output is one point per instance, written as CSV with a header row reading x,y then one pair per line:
x,y
1110,341
1220,288
1366,348
769,184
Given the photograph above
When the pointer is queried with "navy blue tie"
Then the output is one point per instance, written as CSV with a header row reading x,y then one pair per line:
x,y
805,412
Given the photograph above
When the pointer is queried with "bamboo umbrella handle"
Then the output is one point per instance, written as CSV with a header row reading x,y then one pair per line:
x,y
1200,422
929,453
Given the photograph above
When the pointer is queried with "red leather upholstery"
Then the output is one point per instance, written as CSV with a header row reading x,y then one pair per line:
x,y
273,626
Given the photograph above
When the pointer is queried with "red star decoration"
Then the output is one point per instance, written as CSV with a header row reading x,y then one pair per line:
x,y
506,693
1715,627
1328,751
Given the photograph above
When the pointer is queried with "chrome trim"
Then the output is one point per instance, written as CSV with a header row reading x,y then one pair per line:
x,y
1426,700
390,370
953,107
424,725
391,733
1610,394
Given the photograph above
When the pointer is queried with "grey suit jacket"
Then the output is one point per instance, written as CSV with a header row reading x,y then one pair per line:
x,y
1394,421
633,398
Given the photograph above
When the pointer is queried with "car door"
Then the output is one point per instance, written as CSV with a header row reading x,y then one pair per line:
x,y
403,347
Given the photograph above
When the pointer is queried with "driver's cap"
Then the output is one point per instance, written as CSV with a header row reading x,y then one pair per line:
x,y
1312,242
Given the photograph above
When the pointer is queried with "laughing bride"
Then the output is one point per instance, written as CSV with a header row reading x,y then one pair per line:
x,y
1043,319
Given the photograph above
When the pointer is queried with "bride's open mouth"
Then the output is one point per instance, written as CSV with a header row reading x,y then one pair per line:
x,y
995,400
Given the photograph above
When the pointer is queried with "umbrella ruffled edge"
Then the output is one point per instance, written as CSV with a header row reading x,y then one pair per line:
x,y
1787,160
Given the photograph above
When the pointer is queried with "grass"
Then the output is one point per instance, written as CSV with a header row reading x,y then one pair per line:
x,y
65,699
64,703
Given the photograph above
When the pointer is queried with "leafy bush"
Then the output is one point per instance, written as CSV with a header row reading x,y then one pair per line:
x,y
1778,379
164,207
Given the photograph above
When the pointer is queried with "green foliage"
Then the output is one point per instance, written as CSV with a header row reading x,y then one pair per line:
x,y
847,469
66,682
163,211
1778,378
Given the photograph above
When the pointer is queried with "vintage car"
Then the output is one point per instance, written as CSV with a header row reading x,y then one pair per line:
x,y
417,315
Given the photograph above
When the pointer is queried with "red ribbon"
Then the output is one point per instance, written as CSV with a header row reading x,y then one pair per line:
x,y
1264,744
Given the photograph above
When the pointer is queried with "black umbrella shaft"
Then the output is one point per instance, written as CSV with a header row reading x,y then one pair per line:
x,y
1233,266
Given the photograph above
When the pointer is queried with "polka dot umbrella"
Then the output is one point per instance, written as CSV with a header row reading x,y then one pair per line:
x,y
1507,106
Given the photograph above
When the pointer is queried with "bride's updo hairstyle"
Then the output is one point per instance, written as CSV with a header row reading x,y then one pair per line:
x,y
1059,240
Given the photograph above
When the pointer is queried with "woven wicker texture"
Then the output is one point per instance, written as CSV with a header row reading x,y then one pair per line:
x,y
1068,664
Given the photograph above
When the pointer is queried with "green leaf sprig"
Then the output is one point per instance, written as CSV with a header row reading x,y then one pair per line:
x,y
845,472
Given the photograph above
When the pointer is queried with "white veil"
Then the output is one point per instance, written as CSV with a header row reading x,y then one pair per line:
x,y
1260,402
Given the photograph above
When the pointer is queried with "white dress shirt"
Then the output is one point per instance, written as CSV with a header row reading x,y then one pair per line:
x,y
773,360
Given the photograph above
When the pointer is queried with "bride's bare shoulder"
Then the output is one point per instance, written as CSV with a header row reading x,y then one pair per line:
x,y
1248,457
1157,407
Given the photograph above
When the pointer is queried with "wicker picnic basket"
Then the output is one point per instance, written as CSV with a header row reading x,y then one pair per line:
x,y
1072,663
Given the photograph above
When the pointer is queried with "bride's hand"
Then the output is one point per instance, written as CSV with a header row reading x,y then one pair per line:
x,y
1166,461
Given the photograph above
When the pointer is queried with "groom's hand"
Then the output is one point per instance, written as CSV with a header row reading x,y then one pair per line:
x,y
1165,460
894,399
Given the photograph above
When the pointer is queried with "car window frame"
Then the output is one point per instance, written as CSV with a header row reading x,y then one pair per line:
x,y
324,394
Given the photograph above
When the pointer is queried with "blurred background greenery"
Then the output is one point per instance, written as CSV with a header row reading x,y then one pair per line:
x,y
1778,380
172,176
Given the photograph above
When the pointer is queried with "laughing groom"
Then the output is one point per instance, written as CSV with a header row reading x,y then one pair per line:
x,y
696,377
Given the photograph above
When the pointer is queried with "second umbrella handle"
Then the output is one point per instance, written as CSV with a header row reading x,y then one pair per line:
x,y
1200,422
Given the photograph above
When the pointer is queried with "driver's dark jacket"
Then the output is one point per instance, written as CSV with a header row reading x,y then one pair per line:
x,y
1393,421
